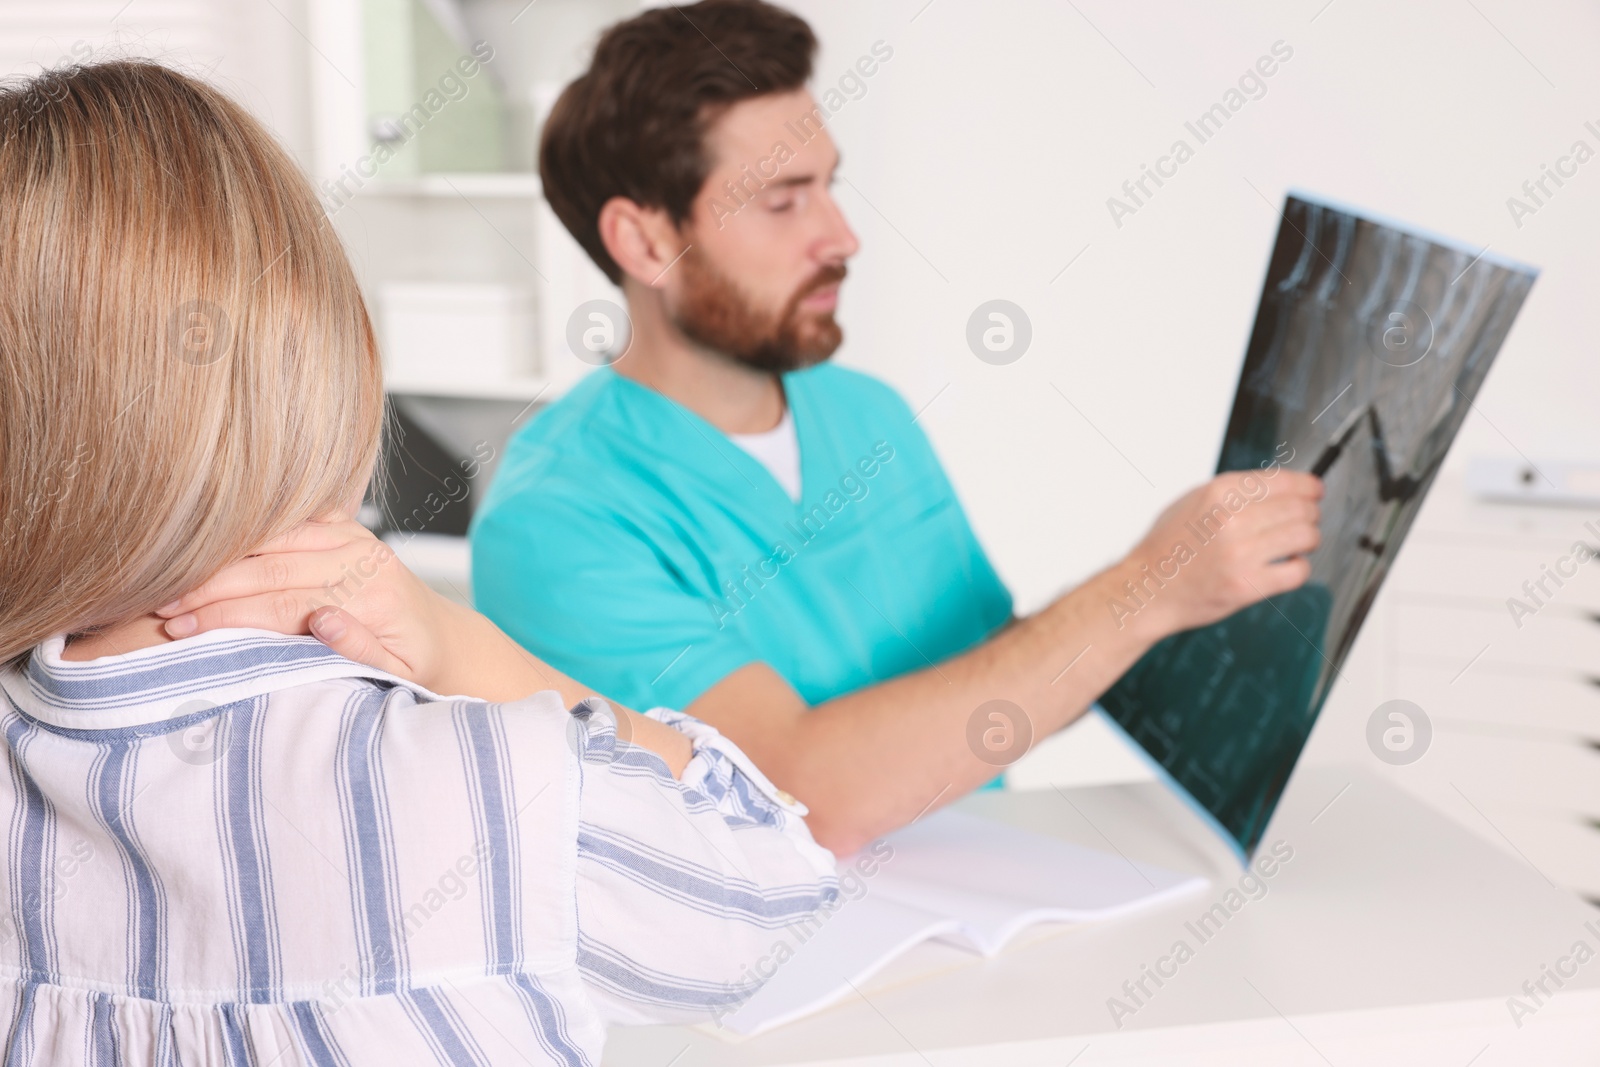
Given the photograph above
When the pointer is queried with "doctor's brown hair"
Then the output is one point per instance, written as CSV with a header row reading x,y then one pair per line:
x,y
187,368
633,125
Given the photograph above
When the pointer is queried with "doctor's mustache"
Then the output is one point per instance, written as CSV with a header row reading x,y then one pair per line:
x,y
829,275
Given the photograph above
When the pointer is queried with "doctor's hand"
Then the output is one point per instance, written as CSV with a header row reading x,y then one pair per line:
x,y
1236,540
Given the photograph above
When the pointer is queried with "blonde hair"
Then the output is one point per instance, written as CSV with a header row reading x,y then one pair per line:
x,y
187,368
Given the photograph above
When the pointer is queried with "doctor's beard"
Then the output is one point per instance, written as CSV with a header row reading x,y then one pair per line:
x,y
715,313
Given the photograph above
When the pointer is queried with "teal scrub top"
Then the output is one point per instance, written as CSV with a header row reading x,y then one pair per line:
x,y
633,546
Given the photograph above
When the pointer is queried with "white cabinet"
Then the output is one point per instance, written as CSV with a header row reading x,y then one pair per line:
x,y
1513,698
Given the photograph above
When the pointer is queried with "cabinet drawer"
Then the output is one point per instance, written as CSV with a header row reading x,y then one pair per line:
x,y
1542,705
1555,637
1505,774
1493,573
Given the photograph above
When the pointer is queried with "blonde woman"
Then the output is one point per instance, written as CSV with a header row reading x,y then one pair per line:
x,y
240,847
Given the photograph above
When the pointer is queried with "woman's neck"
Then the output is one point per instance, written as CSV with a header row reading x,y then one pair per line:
x,y
142,632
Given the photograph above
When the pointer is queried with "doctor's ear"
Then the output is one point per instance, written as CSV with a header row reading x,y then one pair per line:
x,y
643,240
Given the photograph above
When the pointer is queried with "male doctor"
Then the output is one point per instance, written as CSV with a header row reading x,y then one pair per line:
x,y
725,523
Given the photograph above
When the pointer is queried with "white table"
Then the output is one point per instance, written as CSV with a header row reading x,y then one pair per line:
x,y
1393,935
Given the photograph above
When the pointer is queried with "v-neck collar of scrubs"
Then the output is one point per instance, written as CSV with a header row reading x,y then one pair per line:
x,y
680,436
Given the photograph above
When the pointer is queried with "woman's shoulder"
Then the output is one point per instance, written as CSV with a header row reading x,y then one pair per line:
x,y
339,827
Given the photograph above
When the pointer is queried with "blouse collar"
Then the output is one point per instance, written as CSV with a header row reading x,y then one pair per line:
x,y
143,686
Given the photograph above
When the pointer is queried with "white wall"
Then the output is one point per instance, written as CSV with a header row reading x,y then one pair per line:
x,y
985,149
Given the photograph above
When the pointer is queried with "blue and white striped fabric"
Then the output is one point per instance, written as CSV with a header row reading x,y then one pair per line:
x,y
243,849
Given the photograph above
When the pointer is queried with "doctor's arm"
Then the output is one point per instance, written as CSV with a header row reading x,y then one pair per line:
x,y
873,760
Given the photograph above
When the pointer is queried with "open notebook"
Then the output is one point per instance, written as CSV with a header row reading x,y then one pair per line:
x,y
958,878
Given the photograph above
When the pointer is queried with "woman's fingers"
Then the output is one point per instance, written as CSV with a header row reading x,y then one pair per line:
x,y
251,576
287,611
342,569
318,535
300,611
346,635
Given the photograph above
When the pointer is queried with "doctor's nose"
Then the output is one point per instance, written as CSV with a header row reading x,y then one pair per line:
x,y
838,241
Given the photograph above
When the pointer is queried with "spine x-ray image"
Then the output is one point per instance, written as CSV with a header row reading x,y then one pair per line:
x,y
1369,346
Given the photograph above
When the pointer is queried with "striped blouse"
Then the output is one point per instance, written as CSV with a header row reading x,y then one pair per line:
x,y
243,849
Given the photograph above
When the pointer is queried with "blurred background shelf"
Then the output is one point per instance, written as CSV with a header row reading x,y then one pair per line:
x,y
427,118
469,184
540,390
424,133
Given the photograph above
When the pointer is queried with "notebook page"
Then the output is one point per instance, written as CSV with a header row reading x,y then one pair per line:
x,y
995,878
851,945
964,880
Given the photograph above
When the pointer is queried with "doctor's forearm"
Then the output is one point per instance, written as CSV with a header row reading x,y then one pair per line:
x,y
872,760
486,663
